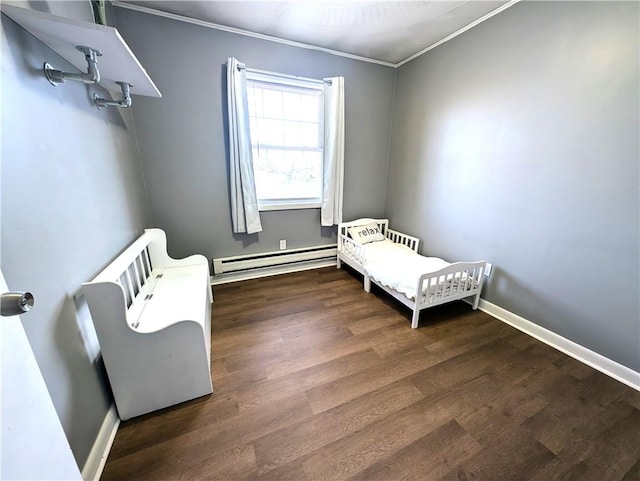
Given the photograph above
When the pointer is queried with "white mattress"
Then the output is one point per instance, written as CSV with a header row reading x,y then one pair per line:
x,y
397,266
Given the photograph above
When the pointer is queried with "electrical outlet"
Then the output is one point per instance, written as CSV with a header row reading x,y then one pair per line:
x,y
283,244
488,268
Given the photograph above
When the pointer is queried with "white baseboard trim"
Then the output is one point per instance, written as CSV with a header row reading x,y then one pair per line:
x,y
597,361
97,458
271,271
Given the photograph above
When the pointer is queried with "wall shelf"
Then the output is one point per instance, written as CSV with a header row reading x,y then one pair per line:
x,y
63,35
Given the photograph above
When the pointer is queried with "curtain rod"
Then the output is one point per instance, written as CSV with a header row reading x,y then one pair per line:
x,y
276,74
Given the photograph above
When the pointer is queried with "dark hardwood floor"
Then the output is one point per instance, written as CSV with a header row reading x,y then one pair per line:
x,y
314,379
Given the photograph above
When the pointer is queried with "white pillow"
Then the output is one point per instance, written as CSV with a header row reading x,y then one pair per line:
x,y
366,233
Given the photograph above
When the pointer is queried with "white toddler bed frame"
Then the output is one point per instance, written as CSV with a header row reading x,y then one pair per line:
x,y
433,289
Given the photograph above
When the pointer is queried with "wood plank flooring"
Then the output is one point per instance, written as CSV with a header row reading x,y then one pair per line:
x,y
314,379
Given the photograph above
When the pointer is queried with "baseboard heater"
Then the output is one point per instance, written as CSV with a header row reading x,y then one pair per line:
x,y
228,269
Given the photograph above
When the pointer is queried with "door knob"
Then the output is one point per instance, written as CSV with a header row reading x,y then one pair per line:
x,y
15,303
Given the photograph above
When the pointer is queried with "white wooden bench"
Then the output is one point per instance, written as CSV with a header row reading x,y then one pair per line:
x,y
152,315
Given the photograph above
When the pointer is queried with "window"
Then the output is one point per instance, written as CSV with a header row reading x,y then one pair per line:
x,y
286,122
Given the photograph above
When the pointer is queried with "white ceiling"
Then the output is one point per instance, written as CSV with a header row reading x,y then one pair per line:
x,y
385,31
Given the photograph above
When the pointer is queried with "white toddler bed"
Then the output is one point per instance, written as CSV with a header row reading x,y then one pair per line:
x,y
392,262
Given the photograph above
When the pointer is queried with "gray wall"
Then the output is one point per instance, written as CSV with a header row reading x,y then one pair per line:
x,y
72,199
182,136
517,142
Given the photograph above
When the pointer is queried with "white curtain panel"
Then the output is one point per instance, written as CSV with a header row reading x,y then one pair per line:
x,y
245,215
331,211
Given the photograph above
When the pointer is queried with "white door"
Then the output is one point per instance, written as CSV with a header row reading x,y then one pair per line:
x,y
33,444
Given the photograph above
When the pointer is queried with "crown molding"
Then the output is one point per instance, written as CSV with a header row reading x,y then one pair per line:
x,y
458,32
247,33
291,43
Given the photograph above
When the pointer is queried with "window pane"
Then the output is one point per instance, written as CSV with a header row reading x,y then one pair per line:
x,y
314,160
276,161
309,107
291,106
287,174
310,136
292,134
272,103
269,132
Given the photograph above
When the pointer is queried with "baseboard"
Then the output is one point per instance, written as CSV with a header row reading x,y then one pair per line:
x,y
97,458
597,361
271,271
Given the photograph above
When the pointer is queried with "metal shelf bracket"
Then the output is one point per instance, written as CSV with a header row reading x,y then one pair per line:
x,y
124,102
92,75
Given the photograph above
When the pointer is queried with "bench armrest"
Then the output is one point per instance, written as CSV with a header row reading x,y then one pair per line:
x,y
159,256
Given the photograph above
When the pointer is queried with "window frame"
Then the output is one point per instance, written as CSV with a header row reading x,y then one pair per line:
x,y
286,81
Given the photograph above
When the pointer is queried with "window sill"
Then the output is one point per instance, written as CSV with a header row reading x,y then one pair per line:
x,y
289,206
